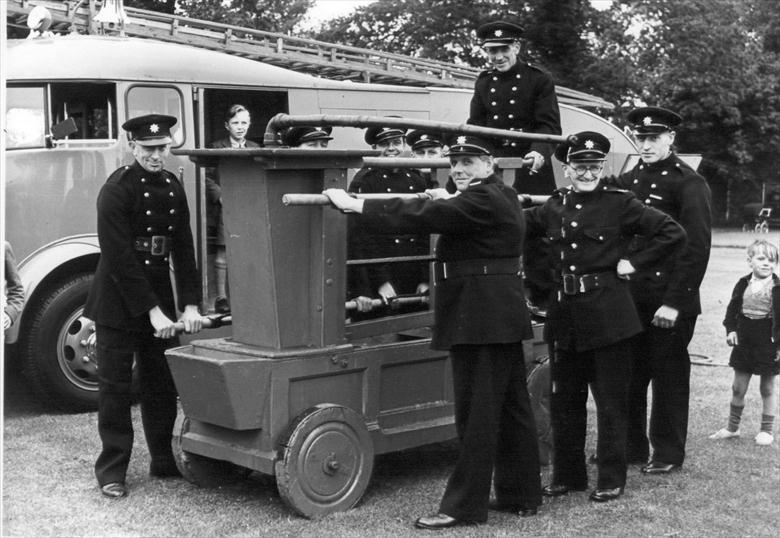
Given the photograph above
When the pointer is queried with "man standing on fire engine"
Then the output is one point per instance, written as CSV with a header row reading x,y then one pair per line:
x,y
516,96
143,222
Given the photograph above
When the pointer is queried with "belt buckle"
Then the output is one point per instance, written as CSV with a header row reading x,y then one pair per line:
x,y
158,245
569,284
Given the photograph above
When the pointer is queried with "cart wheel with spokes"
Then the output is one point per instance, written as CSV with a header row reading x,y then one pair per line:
x,y
325,461
201,470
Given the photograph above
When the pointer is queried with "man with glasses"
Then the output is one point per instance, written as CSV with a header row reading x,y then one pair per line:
x,y
666,294
592,317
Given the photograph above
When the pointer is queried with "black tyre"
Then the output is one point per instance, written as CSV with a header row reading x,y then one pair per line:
x,y
57,347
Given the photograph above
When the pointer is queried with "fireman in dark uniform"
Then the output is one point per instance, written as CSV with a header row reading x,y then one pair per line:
x,y
593,317
481,318
516,96
667,293
143,224
426,145
398,278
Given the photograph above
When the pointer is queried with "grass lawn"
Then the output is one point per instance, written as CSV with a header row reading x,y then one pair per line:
x,y
726,489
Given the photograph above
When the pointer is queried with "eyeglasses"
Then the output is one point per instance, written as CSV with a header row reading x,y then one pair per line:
x,y
594,169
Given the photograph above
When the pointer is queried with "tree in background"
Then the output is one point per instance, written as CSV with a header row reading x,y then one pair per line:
x,y
279,16
707,60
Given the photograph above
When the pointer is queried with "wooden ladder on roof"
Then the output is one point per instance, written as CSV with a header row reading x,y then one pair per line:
x,y
318,58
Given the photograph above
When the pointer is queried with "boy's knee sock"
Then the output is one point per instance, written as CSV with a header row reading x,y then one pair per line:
x,y
766,423
735,416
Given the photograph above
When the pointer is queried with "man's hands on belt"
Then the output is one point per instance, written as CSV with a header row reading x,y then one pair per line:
x,y
538,160
665,317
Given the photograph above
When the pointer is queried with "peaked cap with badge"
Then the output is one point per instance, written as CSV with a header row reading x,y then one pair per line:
x,y
499,33
295,136
375,135
419,139
469,145
583,146
653,120
151,129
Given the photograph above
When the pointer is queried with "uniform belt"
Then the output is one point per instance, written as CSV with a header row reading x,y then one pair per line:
x,y
478,266
574,284
156,245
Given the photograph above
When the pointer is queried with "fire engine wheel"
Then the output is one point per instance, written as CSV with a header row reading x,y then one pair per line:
x,y
325,463
201,470
58,353
538,383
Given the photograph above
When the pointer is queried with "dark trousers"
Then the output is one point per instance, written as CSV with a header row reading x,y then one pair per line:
x,y
496,430
608,371
115,352
661,357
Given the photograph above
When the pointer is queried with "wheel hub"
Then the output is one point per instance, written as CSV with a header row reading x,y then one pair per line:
x,y
77,351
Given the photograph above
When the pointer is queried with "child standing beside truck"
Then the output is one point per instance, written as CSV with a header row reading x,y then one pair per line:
x,y
752,329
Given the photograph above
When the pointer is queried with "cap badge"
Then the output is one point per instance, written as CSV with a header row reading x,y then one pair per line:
x,y
461,140
647,120
498,33
154,128
589,144
424,137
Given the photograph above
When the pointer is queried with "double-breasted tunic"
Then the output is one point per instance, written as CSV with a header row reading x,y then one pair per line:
x,y
404,276
520,99
135,206
143,222
587,232
676,189
592,319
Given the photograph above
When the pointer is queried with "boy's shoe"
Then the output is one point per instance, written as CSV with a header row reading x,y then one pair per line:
x,y
723,433
764,438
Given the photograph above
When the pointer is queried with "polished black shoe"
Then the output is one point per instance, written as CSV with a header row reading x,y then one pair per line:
x,y
221,305
439,521
556,490
114,490
659,467
604,495
519,509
